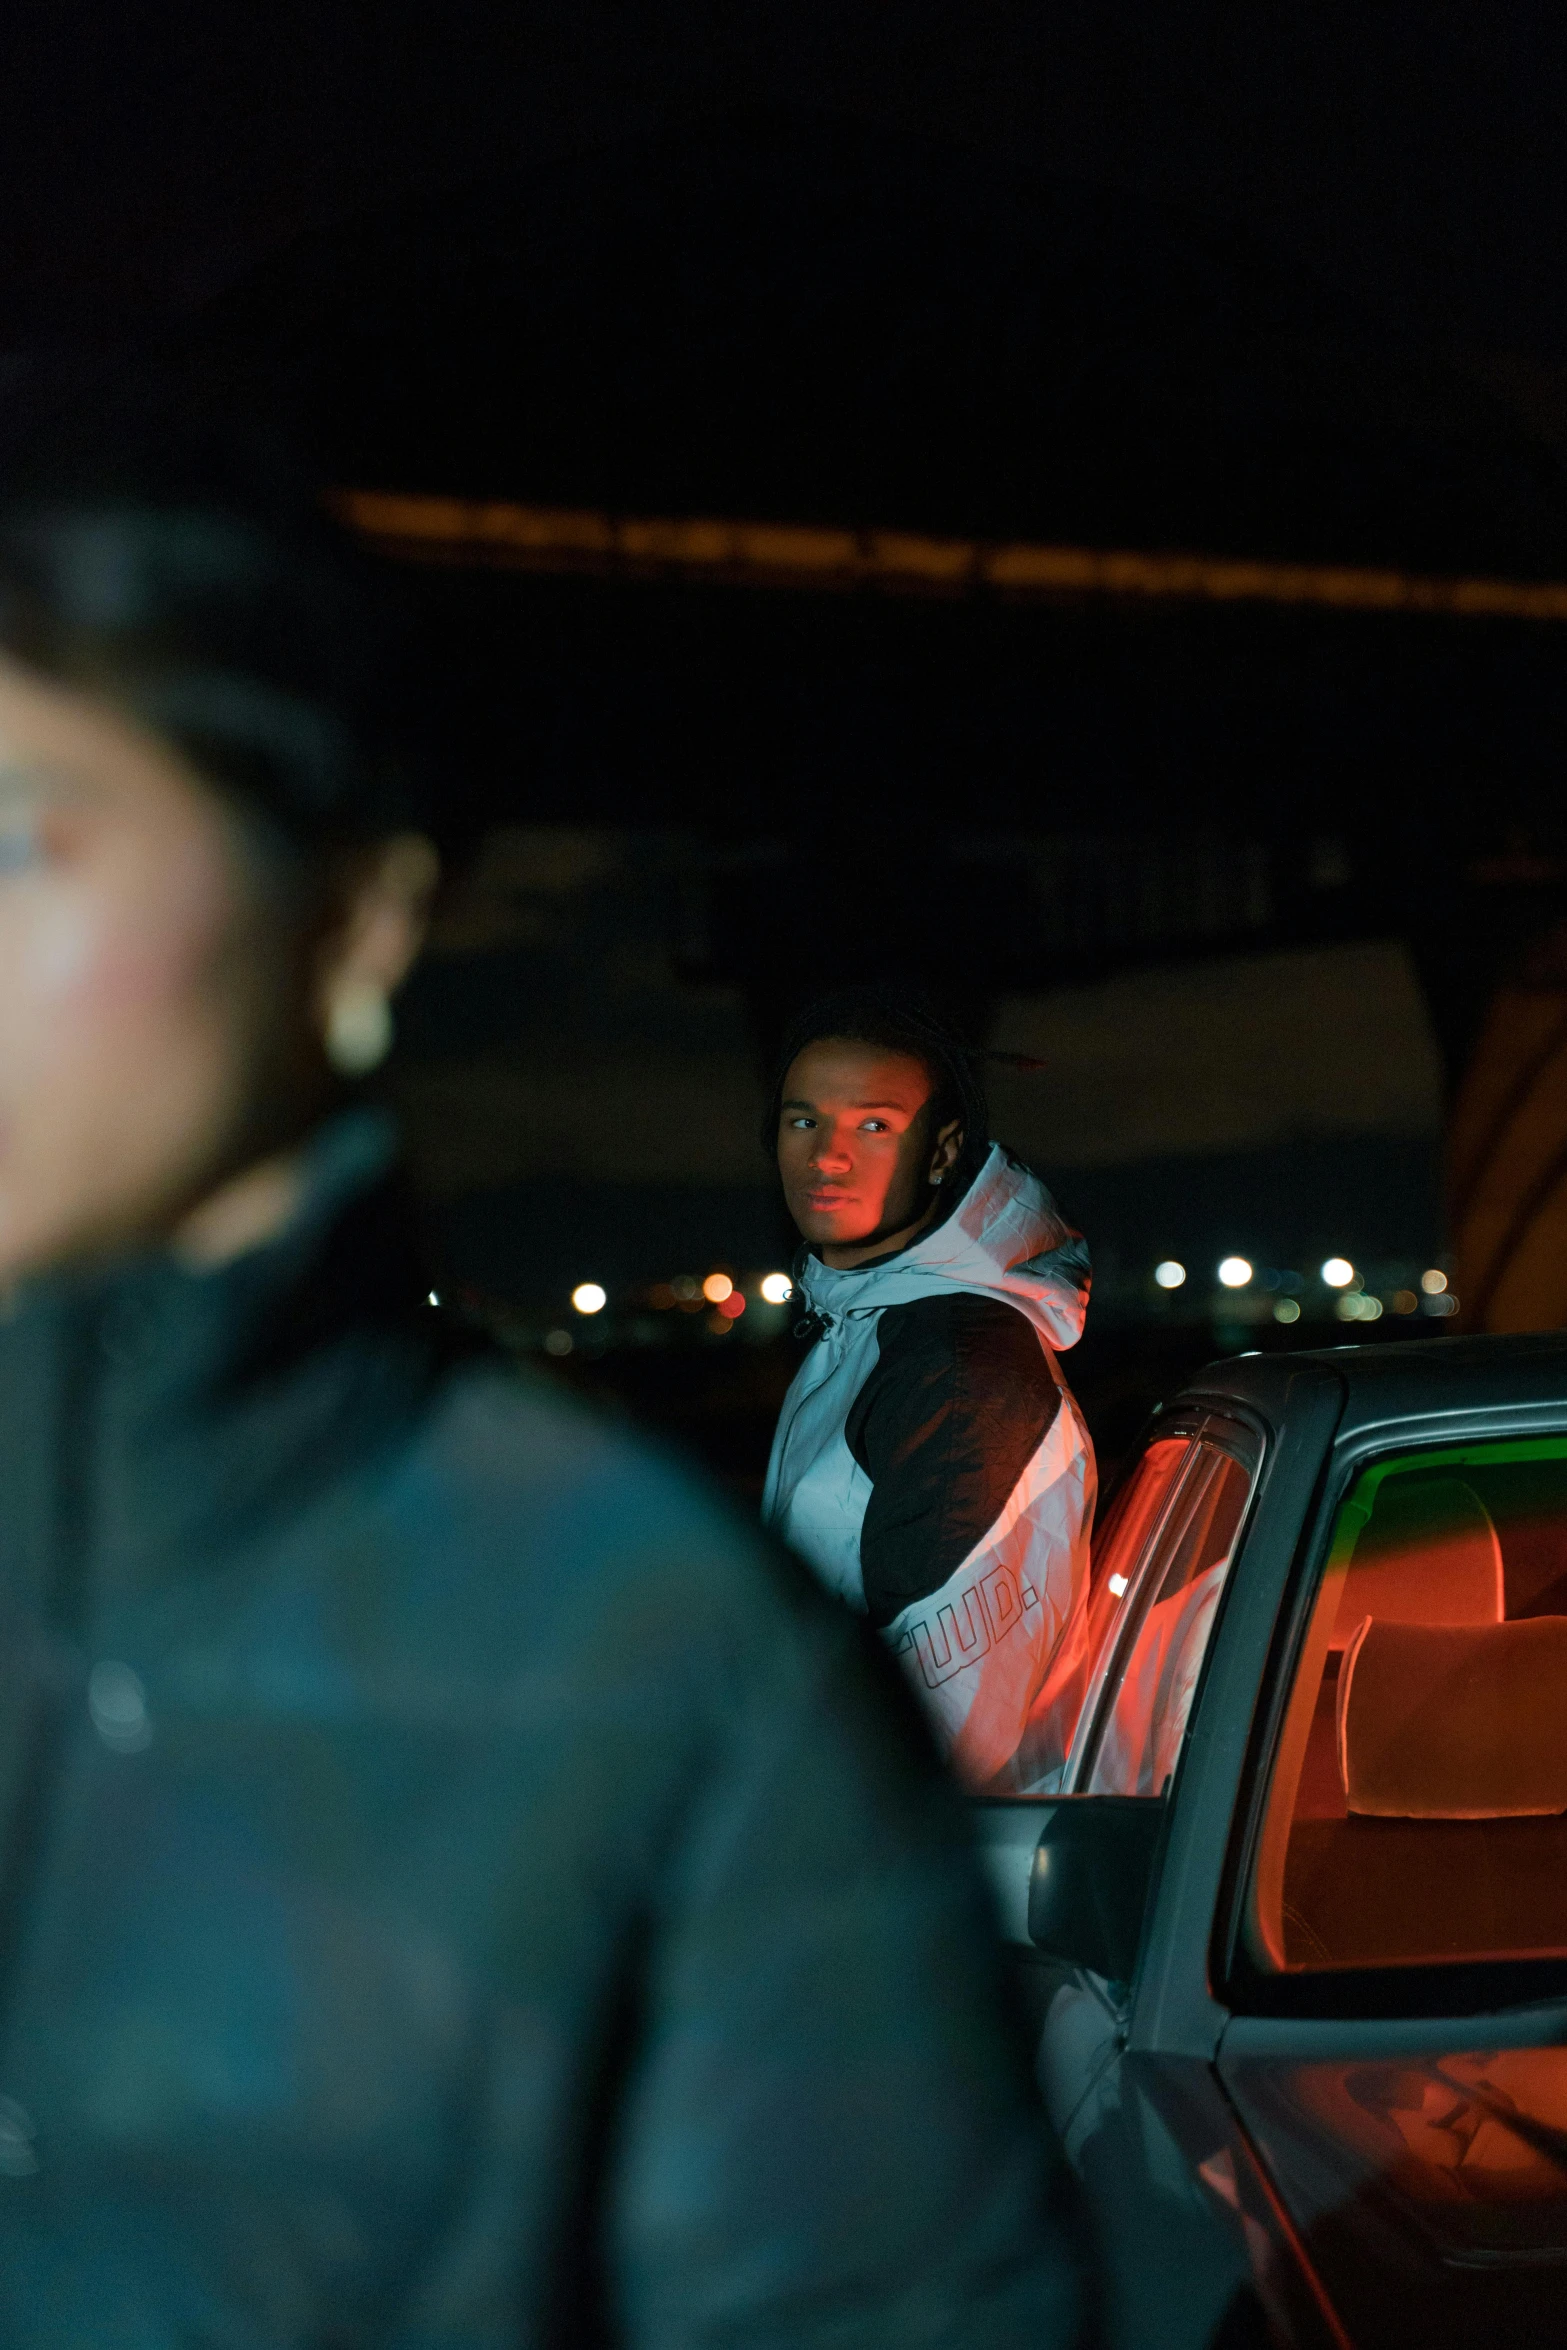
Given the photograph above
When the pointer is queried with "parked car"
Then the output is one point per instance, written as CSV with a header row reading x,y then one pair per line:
x,y
1295,1927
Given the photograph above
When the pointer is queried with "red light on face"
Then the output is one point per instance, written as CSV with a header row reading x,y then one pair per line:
x,y
733,1306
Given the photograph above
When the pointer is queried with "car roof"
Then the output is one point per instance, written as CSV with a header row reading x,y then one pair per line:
x,y
1406,1378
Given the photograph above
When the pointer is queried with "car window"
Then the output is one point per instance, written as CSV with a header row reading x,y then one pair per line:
x,y
1417,1811
1156,1593
1130,1519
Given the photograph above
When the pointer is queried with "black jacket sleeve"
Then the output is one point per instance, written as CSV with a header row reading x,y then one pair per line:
x,y
961,1398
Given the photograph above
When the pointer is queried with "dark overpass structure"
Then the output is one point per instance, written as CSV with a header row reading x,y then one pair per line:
x,y
1000,581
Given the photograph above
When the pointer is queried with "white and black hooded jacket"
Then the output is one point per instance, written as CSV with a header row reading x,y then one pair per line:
x,y
931,1464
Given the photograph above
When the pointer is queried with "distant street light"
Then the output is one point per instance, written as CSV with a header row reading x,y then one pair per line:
x,y
1170,1274
1338,1272
1235,1272
588,1298
777,1288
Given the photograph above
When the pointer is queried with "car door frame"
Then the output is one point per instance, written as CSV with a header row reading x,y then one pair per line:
x,y
1185,1420
1087,2022
1175,2006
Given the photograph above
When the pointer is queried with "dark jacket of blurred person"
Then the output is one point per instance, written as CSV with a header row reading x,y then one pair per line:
x,y
457,1885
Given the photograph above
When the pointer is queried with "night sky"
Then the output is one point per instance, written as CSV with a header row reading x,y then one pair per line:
x,y
1411,155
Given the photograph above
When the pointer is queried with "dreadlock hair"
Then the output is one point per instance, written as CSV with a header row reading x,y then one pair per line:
x,y
899,1021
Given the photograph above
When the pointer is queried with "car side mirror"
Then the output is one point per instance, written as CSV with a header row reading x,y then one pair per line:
x,y
1093,1867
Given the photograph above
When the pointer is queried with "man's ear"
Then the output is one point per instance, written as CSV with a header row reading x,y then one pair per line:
x,y
949,1144
385,912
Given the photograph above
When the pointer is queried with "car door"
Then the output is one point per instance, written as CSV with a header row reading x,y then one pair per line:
x,y
1137,1509
1161,1567
1398,1974
1160,1562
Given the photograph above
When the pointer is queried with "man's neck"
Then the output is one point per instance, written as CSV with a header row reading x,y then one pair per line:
x,y
879,1244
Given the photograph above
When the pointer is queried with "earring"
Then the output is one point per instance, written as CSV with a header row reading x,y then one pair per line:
x,y
358,1028
935,1179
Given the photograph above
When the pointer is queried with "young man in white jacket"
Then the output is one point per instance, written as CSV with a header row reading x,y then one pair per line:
x,y
930,1462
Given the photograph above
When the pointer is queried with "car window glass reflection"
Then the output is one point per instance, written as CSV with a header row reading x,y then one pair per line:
x,y
1122,1541
1168,1561
1418,1808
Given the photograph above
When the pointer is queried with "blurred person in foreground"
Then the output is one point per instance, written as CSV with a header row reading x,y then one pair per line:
x,y
458,1887
930,1461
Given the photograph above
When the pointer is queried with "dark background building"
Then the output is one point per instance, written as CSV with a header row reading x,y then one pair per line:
x,y
1263,866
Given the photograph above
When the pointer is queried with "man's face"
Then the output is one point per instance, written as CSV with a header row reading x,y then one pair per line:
x,y
853,1146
